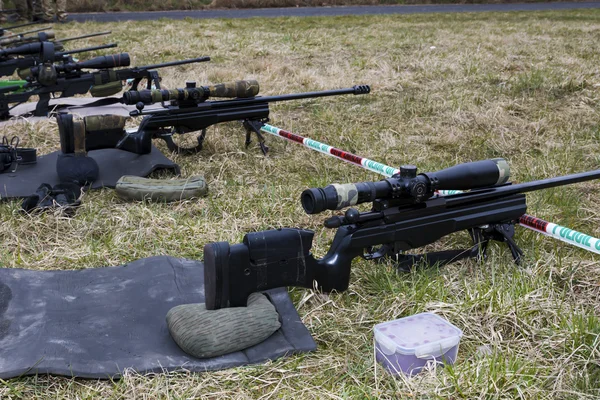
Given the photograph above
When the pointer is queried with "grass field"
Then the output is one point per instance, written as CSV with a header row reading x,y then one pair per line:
x,y
446,89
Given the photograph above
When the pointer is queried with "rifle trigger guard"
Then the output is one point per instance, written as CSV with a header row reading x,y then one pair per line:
x,y
376,253
174,147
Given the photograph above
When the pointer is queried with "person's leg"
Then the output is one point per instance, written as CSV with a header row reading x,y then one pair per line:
x,y
61,10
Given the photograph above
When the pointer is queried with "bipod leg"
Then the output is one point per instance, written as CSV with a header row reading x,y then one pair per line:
x,y
505,233
499,232
480,244
254,127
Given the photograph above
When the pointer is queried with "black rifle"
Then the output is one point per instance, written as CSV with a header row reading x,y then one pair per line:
x,y
405,215
189,111
69,79
24,57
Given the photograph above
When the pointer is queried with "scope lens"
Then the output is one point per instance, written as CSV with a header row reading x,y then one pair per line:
x,y
313,201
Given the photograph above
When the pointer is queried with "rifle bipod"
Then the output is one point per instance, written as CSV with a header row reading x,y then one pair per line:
x,y
481,236
254,127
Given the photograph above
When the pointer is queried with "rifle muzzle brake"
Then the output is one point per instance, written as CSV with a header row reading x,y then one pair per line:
x,y
237,89
362,89
407,185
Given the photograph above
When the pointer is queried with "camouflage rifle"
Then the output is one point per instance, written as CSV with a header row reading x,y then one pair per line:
x,y
30,55
69,79
189,111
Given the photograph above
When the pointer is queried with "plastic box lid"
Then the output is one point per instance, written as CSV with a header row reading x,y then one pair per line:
x,y
422,335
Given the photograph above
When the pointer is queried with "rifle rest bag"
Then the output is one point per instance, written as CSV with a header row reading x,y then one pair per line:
x,y
206,333
135,188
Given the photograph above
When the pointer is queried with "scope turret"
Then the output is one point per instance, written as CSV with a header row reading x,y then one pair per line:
x,y
190,94
407,185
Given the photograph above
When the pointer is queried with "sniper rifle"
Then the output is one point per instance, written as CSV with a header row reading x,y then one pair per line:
x,y
405,215
69,79
188,111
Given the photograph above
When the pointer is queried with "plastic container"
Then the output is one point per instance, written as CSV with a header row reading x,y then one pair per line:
x,y
408,344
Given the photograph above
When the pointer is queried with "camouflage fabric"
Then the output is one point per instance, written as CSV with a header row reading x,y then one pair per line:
x,y
347,195
206,333
504,170
25,9
94,123
241,89
139,189
45,10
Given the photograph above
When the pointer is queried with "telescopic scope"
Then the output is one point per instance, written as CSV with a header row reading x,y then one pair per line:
x,y
237,89
101,62
407,185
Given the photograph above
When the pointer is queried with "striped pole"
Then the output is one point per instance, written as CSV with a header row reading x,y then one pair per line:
x,y
561,233
370,165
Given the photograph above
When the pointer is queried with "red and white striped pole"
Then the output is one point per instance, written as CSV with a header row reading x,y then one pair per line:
x,y
558,232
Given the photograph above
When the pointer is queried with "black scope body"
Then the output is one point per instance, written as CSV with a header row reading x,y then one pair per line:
x,y
25,49
101,62
407,185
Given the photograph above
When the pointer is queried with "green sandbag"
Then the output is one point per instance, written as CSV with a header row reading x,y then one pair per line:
x,y
206,333
137,188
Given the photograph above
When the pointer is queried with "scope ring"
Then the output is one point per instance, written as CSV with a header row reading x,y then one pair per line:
x,y
396,186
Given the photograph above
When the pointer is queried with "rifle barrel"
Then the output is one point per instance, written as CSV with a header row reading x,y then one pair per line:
x,y
83,36
101,47
507,190
174,63
25,33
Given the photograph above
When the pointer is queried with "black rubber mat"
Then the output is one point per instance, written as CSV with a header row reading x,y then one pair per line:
x,y
113,165
95,323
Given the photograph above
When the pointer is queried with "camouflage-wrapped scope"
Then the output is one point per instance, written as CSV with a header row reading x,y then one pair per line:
x,y
237,89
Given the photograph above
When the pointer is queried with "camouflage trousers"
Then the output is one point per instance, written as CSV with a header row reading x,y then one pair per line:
x,y
44,9
24,9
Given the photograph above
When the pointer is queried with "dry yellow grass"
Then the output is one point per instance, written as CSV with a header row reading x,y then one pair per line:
x,y
446,89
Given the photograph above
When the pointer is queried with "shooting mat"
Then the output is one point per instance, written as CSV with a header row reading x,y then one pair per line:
x,y
95,323
113,165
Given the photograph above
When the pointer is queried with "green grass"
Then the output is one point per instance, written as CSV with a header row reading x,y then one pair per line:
x,y
446,89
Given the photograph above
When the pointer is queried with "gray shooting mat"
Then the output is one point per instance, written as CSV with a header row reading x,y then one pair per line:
x,y
113,165
98,322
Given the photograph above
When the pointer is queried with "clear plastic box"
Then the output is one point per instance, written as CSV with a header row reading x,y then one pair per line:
x,y
408,344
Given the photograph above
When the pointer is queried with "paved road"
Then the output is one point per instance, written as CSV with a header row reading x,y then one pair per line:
x,y
329,11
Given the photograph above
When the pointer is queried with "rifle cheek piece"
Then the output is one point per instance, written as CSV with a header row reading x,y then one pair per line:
x,y
232,273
